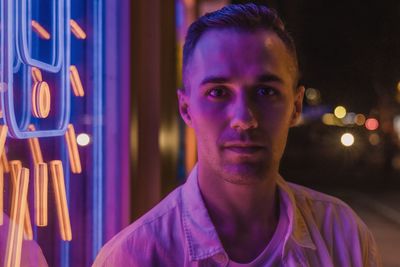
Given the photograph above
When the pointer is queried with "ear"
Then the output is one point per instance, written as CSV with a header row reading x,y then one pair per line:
x,y
298,105
184,106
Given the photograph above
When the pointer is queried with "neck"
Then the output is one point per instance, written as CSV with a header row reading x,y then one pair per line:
x,y
237,205
245,216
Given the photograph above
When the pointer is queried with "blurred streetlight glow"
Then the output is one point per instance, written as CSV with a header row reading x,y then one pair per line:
x,y
359,119
374,139
340,112
371,124
396,163
328,119
349,118
311,93
347,139
313,96
83,139
396,124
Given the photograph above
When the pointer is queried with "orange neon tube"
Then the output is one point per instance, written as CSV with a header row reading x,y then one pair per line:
x,y
41,194
64,222
15,231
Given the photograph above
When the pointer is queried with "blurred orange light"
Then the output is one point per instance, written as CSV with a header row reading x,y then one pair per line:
x,y
359,119
189,3
371,124
396,163
328,119
374,139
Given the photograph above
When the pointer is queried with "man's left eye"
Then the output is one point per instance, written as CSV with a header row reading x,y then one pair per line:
x,y
266,91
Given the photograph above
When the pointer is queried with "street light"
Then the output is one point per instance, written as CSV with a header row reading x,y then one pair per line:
x,y
347,139
340,112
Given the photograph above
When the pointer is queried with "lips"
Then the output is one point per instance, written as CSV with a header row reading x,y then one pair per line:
x,y
244,148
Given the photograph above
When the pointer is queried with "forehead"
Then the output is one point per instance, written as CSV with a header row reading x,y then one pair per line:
x,y
239,54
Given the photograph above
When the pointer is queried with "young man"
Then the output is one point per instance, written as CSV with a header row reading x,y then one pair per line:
x,y
241,97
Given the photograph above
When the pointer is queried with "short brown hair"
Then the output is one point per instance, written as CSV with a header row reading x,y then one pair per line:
x,y
248,17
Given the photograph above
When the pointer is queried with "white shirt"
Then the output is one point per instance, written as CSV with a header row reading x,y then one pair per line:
x,y
272,254
321,231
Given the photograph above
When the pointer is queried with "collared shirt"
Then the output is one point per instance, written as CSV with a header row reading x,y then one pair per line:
x,y
322,231
272,253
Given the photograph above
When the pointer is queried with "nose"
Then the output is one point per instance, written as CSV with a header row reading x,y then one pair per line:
x,y
243,115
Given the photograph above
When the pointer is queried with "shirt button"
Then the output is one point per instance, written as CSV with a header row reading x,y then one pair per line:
x,y
220,258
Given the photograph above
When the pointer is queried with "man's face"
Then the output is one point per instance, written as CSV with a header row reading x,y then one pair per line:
x,y
240,102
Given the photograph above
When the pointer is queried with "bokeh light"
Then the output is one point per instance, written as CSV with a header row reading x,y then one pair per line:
x,y
313,96
371,124
340,112
359,119
396,125
396,162
374,139
347,139
328,119
83,139
349,118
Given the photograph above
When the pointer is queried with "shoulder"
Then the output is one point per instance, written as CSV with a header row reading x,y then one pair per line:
x,y
138,242
327,212
337,224
308,197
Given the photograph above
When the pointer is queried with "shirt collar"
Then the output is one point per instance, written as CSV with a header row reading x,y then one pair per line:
x,y
298,229
201,235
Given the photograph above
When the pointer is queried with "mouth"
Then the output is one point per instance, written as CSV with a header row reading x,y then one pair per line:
x,y
244,148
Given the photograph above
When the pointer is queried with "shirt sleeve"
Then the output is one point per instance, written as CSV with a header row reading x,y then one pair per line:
x,y
372,256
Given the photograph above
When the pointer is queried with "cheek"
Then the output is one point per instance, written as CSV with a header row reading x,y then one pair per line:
x,y
276,122
208,124
201,117
207,114
278,114
282,125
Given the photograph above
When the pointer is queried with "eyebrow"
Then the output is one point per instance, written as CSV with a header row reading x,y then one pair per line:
x,y
214,79
270,78
261,79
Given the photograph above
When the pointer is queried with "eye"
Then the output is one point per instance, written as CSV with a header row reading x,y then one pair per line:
x,y
266,91
217,92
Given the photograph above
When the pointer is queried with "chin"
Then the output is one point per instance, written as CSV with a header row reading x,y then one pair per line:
x,y
245,173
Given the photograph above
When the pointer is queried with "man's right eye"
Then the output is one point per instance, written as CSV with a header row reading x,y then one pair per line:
x,y
217,92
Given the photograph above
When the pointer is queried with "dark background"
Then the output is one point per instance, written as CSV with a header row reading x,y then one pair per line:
x,y
350,52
